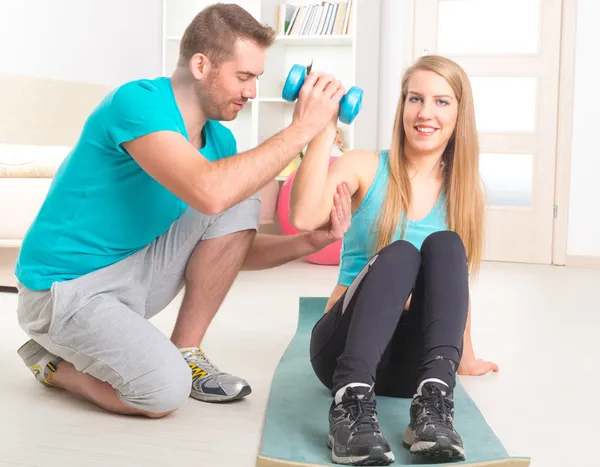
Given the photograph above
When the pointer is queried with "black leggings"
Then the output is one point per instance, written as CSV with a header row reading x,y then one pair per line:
x,y
367,338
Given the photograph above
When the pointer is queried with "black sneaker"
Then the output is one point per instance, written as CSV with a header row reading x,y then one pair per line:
x,y
431,430
354,435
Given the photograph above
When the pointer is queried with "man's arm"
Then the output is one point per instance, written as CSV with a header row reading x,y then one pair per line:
x,y
212,187
268,251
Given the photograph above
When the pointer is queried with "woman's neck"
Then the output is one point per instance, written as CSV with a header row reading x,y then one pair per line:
x,y
424,165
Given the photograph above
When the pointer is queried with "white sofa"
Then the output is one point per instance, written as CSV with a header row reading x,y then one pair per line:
x,y
25,176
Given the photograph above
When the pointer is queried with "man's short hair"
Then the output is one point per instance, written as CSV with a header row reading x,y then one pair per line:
x,y
214,31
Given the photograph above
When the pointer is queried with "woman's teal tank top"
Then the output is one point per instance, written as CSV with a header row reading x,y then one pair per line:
x,y
359,239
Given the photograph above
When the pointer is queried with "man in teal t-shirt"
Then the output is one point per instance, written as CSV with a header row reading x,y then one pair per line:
x,y
102,206
155,196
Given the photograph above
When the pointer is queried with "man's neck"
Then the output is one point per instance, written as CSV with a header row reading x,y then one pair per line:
x,y
187,101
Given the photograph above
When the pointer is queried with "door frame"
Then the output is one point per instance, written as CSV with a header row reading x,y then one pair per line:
x,y
566,91
564,133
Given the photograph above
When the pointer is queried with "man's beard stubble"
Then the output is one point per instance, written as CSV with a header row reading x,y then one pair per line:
x,y
207,95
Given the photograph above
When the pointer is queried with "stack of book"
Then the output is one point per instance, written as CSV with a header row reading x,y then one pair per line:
x,y
326,18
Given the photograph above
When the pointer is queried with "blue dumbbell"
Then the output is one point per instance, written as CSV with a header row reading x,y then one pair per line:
x,y
350,104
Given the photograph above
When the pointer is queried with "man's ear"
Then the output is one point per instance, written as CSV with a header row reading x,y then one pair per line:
x,y
199,66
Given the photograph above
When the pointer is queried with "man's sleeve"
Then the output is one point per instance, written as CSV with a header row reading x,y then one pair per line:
x,y
134,111
233,145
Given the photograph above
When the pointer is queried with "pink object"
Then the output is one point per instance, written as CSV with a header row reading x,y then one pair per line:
x,y
330,255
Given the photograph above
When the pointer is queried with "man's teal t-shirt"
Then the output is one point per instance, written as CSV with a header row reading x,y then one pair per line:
x,y
102,206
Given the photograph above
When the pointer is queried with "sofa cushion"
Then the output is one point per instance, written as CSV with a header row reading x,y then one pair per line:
x,y
25,161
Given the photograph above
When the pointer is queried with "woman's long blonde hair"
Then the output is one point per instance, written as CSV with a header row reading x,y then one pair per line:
x,y
461,186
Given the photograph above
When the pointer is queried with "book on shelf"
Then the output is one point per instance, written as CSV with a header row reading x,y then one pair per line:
x,y
328,17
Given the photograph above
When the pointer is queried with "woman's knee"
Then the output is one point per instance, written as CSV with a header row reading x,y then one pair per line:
x,y
159,391
400,252
444,243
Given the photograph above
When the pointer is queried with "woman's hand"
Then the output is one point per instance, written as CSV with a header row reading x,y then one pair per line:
x,y
471,366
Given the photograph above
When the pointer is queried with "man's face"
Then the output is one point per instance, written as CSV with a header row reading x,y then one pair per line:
x,y
225,91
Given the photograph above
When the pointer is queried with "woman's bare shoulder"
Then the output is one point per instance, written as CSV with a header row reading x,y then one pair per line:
x,y
361,155
362,166
360,160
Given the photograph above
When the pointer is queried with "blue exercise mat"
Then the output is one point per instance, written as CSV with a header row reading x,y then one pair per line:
x,y
295,429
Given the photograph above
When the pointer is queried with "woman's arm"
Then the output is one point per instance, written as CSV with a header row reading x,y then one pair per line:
x,y
469,364
468,351
315,183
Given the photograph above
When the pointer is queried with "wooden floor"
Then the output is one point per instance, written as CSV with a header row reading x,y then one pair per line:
x,y
540,324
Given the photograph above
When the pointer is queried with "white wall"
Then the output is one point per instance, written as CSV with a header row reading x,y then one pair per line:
x,y
96,41
584,206
395,16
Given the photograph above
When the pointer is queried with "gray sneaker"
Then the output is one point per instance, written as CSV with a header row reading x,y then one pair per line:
x,y
209,384
41,362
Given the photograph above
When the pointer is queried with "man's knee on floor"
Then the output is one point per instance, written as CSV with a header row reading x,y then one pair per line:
x,y
445,243
160,390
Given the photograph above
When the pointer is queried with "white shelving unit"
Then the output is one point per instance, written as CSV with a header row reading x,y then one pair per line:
x,y
353,58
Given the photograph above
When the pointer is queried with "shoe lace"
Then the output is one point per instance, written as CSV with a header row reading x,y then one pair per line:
x,y
204,362
436,406
363,410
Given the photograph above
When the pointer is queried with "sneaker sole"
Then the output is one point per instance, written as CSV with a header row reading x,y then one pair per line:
x,y
377,456
246,390
31,352
441,448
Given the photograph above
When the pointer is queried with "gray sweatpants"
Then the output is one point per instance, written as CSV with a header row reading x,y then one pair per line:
x,y
99,321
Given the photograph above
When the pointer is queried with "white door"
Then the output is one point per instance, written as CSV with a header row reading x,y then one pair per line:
x,y
510,50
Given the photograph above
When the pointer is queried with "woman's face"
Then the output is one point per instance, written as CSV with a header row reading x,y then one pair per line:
x,y
430,112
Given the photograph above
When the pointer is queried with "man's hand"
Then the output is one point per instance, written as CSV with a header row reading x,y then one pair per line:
x,y
471,366
318,104
268,251
339,219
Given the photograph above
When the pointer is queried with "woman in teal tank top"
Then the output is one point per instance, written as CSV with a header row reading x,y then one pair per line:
x,y
397,323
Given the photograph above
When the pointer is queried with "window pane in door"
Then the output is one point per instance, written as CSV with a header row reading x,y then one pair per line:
x,y
488,27
507,178
505,104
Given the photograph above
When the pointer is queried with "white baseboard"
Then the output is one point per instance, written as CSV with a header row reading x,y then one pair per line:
x,y
583,261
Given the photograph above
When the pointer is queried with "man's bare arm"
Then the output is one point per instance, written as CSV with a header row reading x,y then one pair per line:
x,y
212,187
269,251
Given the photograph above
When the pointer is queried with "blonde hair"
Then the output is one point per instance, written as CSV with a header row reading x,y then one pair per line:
x,y
461,185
